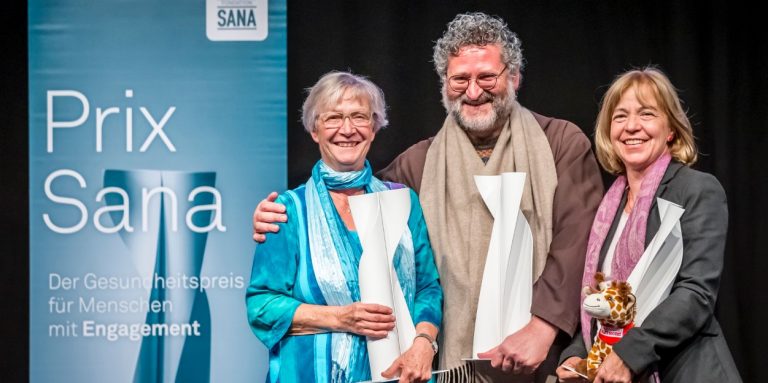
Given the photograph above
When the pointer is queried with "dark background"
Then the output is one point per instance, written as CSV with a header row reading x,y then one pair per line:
x,y
714,52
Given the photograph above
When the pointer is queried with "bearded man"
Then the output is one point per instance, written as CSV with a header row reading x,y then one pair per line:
x,y
487,132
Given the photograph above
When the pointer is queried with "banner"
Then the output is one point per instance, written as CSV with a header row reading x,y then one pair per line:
x,y
154,130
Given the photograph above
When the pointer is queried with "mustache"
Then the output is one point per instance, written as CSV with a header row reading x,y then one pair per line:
x,y
484,98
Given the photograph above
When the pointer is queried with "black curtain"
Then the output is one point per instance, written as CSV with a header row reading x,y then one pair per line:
x,y
714,52
14,221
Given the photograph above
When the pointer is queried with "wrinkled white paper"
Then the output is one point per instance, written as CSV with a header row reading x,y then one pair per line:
x,y
504,304
381,219
571,369
655,272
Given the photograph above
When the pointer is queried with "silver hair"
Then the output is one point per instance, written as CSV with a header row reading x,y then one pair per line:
x,y
329,90
477,29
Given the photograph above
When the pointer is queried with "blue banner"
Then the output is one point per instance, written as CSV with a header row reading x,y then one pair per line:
x,y
154,129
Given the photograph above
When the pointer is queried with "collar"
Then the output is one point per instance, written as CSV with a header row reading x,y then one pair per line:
x,y
672,170
611,335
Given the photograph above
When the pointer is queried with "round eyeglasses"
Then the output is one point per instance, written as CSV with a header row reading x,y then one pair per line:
x,y
335,120
460,83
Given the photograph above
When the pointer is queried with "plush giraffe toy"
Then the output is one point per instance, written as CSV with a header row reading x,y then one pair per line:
x,y
613,305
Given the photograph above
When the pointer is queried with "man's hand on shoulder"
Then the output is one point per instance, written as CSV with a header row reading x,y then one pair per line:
x,y
266,214
523,351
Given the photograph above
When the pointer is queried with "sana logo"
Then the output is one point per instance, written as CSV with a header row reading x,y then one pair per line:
x,y
236,20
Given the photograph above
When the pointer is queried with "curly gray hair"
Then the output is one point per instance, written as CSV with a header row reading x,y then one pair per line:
x,y
477,29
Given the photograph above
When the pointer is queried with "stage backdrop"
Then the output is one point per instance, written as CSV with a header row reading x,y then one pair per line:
x,y
154,129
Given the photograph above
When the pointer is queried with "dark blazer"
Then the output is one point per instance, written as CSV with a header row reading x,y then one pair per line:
x,y
681,336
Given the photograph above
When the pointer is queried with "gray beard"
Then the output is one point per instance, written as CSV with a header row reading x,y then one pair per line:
x,y
501,108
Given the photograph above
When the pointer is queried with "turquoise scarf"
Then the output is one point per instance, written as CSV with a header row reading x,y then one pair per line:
x,y
336,265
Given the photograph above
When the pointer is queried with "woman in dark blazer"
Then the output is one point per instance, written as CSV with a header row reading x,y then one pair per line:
x,y
643,135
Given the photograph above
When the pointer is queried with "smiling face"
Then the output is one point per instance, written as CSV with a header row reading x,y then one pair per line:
x,y
612,305
639,130
478,109
344,149
597,306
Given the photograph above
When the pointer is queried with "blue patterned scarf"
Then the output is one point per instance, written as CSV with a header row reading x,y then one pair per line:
x,y
336,265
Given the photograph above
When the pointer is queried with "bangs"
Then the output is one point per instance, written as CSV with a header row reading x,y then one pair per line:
x,y
647,94
353,92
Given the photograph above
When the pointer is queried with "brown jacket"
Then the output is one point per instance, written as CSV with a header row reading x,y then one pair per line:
x,y
578,194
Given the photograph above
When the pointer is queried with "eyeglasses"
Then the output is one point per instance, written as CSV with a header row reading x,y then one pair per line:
x,y
335,120
460,83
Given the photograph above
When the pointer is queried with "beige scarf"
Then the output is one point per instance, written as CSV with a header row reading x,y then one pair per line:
x,y
460,224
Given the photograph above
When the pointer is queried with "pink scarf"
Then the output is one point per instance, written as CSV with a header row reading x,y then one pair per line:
x,y
631,244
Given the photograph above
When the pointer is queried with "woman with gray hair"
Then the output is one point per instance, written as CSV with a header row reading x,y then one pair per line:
x,y
304,299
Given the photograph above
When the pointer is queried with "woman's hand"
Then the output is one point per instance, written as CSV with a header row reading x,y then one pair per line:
x,y
613,370
365,319
564,375
414,365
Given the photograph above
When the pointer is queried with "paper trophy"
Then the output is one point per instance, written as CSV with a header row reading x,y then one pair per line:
x,y
381,219
504,304
655,272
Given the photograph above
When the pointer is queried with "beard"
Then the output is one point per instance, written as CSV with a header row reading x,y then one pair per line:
x,y
501,107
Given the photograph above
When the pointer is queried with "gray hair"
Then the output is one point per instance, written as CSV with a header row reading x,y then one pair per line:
x,y
477,29
329,90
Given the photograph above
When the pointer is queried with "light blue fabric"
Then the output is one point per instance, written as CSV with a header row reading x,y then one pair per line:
x,y
334,180
289,270
334,260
